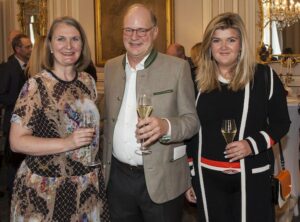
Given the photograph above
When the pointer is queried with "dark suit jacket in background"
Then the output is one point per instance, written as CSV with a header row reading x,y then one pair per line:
x,y
12,80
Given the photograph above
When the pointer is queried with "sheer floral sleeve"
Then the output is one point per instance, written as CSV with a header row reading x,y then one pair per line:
x,y
28,104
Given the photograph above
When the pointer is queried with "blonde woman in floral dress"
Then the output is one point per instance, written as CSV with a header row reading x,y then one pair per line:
x,y
55,181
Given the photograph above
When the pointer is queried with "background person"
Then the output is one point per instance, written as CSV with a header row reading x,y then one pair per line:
x,y
195,53
232,182
151,187
54,183
34,65
11,35
178,50
12,80
91,69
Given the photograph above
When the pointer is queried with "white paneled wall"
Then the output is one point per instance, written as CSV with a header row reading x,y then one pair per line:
x,y
8,22
192,17
81,10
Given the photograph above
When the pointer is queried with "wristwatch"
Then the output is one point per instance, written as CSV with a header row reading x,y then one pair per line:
x,y
165,139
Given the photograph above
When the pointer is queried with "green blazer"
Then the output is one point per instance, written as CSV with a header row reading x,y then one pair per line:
x,y
169,81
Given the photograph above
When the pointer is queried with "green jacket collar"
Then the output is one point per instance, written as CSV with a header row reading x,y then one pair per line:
x,y
149,60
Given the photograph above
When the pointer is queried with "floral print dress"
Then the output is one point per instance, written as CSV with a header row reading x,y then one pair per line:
x,y
58,187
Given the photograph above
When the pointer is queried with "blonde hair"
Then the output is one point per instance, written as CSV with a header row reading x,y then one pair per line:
x,y
34,65
195,53
85,57
207,74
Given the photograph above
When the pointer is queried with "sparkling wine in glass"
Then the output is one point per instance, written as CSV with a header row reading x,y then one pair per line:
x,y
89,121
144,109
228,130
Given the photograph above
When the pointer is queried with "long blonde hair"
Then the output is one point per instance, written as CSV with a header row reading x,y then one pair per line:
x,y
34,65
207,74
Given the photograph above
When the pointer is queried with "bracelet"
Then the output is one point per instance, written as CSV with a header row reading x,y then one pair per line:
x,y
165,139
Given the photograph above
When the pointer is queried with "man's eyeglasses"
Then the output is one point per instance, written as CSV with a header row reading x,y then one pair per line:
x,y
141,32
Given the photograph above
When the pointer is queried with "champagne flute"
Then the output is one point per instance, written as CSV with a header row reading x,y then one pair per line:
x,y
228,130
144,109
88,121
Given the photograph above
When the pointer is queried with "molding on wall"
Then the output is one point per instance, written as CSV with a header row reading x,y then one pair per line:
x,y
250,23
100,82
235,7
9,11
221,5
207,13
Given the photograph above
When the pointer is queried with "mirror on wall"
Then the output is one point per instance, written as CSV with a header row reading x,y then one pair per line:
x,y
33,17
279,35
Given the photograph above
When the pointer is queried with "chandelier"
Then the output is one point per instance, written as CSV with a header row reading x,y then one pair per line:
x,y
283,12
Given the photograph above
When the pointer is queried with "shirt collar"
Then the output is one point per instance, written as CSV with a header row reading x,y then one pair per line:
x,y
223,80
140,65
20,62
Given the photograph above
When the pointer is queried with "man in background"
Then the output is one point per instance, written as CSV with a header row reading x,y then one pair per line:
x,y
178,50
11,35
12,80
149,187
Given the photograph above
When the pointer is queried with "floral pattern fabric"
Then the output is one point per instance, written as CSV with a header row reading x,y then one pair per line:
x,y
58,187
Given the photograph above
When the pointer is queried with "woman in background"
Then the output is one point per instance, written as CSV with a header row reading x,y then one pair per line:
x,y
34,64
55,182
231,182
195,53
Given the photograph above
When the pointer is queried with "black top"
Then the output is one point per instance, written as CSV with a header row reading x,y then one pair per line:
x,y
219,105
266,119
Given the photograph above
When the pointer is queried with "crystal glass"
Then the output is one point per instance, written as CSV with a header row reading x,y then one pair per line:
x,y
228,130
144,109
89,121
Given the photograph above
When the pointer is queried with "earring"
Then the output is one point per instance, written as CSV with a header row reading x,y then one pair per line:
x,y
239,56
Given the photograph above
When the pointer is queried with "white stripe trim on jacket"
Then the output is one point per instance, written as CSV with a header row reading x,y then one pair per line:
x,y
200,169
271,83
267,138
242,161
253,143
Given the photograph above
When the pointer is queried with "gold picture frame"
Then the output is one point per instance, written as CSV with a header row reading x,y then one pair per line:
x,y
33,15
108,26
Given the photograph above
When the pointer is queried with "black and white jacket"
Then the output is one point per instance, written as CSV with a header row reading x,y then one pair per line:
x,y
263,121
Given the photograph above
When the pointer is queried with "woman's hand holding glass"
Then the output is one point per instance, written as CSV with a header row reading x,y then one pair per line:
x,y
235,150
89,122
80,137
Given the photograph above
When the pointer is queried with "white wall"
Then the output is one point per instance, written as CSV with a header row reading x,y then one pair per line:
x,y
82,10
8,22
192,17
188,23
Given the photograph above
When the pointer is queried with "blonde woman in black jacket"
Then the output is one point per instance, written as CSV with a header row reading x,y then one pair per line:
x,y
231,182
